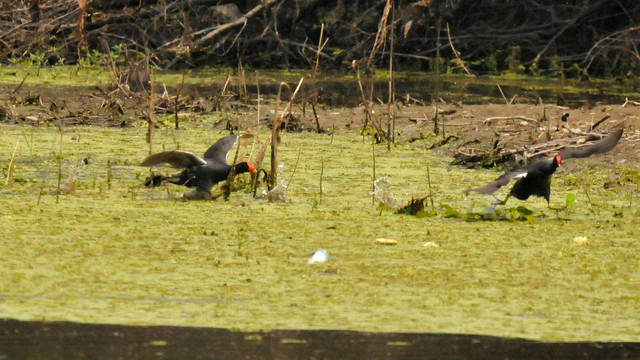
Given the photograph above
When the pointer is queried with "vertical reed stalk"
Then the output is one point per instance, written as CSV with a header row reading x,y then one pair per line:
x,y
13,156
321,175
277,122
243,94
152,108
109,174
59,161
177,101
314,99
435,118
433,208
391,129
373,182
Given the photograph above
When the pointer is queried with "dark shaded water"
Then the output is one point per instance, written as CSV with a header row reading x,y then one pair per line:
x,y
409,87
474,91
424,87
66,340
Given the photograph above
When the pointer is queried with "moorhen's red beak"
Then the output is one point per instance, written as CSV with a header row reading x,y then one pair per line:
x,y
251,168
558,159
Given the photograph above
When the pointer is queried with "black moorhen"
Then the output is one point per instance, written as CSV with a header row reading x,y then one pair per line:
x,y
535,179
200,173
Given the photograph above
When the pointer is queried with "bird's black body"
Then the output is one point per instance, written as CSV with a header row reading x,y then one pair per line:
x,y
535,179
205,176
200,174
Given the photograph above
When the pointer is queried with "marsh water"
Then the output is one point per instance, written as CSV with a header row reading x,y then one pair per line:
x,y
110,251
336,89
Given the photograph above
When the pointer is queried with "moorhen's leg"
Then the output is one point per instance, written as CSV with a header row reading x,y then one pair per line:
x,y
501,202
554,207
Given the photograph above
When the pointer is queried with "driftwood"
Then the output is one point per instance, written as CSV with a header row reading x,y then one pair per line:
x,y
627,102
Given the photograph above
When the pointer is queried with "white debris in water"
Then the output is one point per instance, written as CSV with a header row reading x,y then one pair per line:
x,y
69,185
277,194
318,257
382,193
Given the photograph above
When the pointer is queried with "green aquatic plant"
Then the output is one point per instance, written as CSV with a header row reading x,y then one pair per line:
x,y
113,257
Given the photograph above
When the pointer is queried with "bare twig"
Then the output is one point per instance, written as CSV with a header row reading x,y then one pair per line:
x,y
455,52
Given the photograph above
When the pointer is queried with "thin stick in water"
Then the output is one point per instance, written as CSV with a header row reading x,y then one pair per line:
x,y
321,175
13,156
433,208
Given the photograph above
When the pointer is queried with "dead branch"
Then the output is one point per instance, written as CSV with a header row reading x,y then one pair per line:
x,y
627,102
455,52
515,117
492,157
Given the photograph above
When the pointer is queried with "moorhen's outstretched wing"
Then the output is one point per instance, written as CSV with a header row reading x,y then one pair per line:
x,y
177,158
503,180
218,151
599,147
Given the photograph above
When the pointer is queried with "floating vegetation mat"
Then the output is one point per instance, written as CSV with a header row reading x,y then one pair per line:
x,y
105,249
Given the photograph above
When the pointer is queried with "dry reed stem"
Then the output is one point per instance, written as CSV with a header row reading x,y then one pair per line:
x,y
433,208
295,167
59,160
151,109
435,118
109,174
277,122
13,156
391,130
321,46
502,93
366,103
382,32
175,104
321,175
373,182
243,94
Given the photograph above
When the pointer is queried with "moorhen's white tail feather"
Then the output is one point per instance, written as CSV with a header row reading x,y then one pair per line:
x,y
180,159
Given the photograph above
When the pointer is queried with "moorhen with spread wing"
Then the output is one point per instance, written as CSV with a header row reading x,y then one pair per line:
x,y
201,173
535,179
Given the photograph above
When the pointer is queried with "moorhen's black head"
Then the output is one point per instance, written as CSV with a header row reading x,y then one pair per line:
x,y
244,167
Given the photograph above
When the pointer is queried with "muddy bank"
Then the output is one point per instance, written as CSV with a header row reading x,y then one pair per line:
x,y
474,131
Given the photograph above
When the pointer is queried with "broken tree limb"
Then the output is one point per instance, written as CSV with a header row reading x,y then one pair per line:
x,y
455,52
591,135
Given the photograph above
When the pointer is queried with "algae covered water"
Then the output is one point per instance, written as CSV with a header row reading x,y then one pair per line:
x,y
111,251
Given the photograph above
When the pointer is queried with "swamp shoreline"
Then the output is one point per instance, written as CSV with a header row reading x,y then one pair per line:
x,y
114,252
